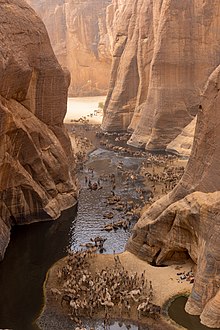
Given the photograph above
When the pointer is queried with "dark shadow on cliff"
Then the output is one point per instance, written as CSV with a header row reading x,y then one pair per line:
x,y
31,252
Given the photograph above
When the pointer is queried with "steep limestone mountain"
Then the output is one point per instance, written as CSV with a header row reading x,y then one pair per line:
x,y
186,222
79,36
163,53
37,164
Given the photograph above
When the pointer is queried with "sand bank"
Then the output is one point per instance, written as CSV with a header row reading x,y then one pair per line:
x,y
166,284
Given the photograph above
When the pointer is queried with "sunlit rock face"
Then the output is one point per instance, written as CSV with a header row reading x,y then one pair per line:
x,y
52,12
182,144
186,222
36,161
79,36
163,53
131,21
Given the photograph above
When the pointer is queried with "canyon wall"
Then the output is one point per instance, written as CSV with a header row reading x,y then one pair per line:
x,y
163,53
52,13
79,36
186,222
36,160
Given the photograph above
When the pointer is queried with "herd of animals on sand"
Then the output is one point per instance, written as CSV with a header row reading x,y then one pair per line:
x,y
83,292
111,290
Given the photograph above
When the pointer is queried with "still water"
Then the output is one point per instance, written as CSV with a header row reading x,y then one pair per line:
x,y
177,312
34,248
32,251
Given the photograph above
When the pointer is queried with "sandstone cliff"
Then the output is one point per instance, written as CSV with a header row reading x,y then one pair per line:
x,y
78,33
124,92
182,144
52,12
37,165
185,222
163,53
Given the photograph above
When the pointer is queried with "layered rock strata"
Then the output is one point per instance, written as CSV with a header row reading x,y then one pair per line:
x,y
186,221
36,161
163,53
79,36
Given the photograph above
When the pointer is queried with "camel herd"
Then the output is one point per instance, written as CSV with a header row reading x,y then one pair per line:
x,y
165,178
112,291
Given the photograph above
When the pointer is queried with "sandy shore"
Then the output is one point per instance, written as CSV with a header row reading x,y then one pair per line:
x,y
94,120
166,284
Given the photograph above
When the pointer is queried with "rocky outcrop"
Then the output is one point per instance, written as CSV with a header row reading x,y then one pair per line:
x,y
163,53
79,37
185,222
36,161
182,144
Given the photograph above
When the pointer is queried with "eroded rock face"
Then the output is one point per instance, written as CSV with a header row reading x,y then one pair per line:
x,y
79,36
164,51
52,12
128,88
182,144
186,222
36,161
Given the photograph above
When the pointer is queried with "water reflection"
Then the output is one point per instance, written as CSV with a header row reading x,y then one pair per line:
x,y
31,252
92,204
116,325
177,312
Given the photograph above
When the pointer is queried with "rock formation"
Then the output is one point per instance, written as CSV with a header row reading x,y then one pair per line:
x,y
52,13
182,144
125,80
163,53
37,164
186,222
78,33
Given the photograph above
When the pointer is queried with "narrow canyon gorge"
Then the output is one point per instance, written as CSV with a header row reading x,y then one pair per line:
x,y
37,174
78,32
158,62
